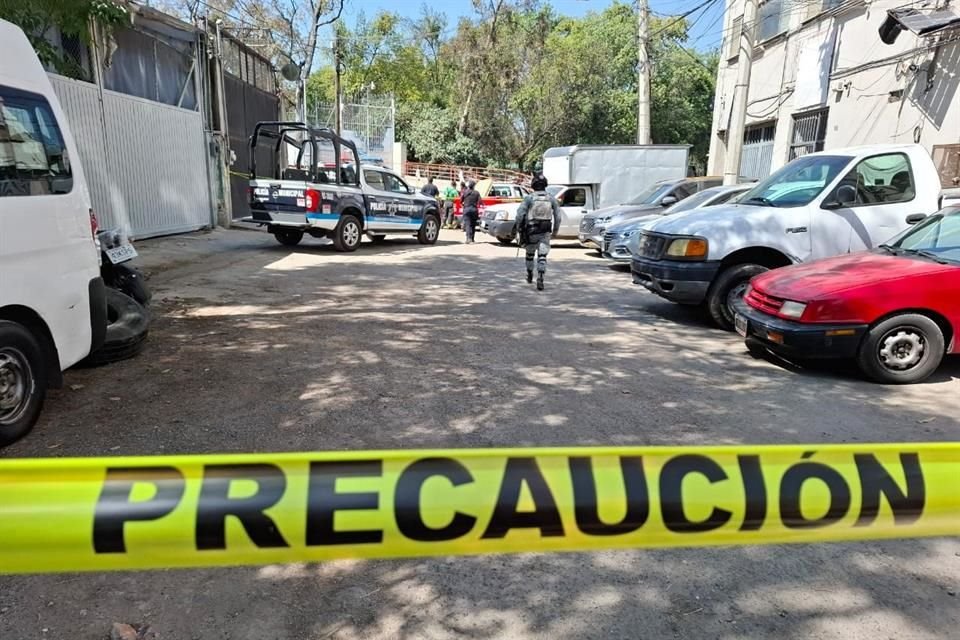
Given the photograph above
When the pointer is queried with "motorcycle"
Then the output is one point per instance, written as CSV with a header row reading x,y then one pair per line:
x,y
116,252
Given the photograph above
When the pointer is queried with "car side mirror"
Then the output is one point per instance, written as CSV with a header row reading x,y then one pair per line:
x,y
914,218
844,196
668,200
411,190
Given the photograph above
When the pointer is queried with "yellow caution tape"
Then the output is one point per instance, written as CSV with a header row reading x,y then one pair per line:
x,y
102,514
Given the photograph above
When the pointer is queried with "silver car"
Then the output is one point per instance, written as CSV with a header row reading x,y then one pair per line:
x,y
655,200
620,240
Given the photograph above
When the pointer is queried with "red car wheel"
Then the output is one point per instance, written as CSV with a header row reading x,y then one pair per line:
x,y
902,349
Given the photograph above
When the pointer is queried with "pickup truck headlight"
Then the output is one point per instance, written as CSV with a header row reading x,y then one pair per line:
x,y
688,249
792,309
501,215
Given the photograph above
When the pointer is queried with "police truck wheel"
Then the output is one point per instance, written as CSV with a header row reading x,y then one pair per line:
x,y
429,230
288,237
23,381
729,287
903,349
347,235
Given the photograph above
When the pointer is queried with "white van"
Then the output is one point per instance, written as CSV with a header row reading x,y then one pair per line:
x,y
52,299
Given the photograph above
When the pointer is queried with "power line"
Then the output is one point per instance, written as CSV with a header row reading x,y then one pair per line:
x,y
682,16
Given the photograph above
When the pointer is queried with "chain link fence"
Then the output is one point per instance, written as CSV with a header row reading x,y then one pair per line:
x,y
368,120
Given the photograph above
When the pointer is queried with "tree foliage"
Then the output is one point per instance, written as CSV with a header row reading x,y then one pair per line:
x,y
518,78
71,17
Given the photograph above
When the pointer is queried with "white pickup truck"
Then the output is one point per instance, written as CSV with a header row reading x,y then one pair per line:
x,y
819,205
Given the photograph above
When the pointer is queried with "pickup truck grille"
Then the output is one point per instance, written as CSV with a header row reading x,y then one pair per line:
x,y
652,246
763,302
587,224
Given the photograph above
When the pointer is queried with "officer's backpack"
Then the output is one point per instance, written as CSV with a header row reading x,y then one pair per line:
x,y
540,215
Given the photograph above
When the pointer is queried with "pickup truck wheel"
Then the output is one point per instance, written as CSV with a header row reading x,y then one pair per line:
x,y
506,241
23,381
730,286
347,235
429,230
903,349
288,237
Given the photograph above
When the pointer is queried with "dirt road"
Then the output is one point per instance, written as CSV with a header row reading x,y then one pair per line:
x,y
257,347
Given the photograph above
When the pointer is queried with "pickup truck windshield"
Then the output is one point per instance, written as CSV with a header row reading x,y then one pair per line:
x,y
936,238
798,183
653,195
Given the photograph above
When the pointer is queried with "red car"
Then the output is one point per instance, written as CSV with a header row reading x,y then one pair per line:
x,y
895,309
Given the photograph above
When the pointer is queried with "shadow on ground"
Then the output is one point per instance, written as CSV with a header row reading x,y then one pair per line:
x,y
263,348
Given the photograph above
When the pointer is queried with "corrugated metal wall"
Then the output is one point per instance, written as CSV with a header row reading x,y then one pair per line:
x,y
145,162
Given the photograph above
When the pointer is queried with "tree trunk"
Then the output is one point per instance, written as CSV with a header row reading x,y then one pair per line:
x,y
496,8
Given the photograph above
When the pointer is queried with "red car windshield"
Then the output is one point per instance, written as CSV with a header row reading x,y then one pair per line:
x,y
936,238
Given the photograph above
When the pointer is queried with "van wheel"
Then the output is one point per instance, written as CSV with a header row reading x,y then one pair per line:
x,y
346,237
729,287
23,381
903,349
129,323
429,230
288,237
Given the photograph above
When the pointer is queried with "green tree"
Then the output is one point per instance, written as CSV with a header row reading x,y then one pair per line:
x,y
71,17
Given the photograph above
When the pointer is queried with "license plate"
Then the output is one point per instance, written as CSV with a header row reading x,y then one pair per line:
x,y
740,323
122,253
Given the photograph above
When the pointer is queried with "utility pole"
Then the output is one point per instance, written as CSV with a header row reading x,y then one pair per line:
x,y
738,112
643,73
337,64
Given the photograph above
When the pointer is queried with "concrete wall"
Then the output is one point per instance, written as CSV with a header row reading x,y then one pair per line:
x,y
858,74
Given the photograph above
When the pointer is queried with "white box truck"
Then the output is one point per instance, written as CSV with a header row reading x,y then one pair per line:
x,y
596,176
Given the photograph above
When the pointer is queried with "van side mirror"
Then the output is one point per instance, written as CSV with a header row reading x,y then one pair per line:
x,y
667,201
914,218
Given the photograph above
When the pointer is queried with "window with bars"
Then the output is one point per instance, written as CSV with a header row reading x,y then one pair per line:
x,y
733,44
809,132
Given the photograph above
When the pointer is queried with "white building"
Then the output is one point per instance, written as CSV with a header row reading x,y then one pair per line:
x,y
822,78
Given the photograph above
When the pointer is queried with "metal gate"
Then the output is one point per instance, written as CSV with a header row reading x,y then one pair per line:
x,y
809,133
757,151
246,106
145,162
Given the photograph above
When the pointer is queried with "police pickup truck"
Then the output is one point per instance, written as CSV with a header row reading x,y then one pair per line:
x,y
313,187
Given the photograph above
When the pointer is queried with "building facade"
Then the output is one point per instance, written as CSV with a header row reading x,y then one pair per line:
x,y
822,78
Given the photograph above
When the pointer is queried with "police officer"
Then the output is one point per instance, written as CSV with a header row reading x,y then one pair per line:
x,y
538,219
471,210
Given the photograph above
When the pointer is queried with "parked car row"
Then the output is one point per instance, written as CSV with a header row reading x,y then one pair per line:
x,y
839,254
69,293
890,300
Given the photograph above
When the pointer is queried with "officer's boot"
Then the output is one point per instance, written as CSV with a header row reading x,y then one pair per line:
x,y
540,281
529,275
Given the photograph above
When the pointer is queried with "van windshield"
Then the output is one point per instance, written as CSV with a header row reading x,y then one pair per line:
x,y
653,195
798,183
